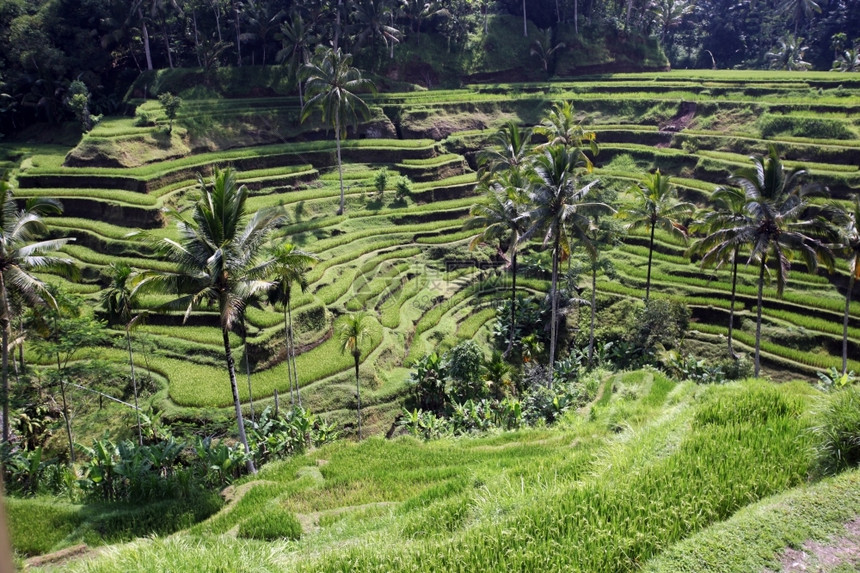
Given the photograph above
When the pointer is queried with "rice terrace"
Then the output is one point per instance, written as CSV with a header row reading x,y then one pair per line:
x,y
446,286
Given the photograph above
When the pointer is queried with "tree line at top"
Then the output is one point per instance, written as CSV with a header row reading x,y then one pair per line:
x,y
47,44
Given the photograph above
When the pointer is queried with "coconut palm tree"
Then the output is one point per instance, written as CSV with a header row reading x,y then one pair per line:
x,y
656,205
331,83
560,127
788,54
352,333
561,213
509,151
502,217
297,37
119,300
290,267
779,224
722,242
19,255
220,262
849,248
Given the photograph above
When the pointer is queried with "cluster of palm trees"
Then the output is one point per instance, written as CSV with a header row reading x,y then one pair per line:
x,y
225,258
765,215
539,191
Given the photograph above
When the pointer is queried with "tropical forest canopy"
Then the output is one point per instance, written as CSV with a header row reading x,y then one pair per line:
x,y
47,44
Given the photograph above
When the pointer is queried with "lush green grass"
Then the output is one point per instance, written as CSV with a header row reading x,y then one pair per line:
x,y
755,538
685,459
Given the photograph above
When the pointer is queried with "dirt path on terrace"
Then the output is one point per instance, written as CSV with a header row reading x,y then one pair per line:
x,y
839,554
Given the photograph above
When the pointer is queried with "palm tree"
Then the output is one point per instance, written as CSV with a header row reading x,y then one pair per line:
x,y
370,18
289,267
779,224
331,83
296,39
561,213
509,151
656,205
544,48
119,300
352,333
788,54
849,248
19,255
502,218
722,242
220,262
263,22
560,127
800,10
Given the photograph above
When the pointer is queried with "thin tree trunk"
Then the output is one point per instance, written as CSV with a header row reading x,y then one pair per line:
x,y
66,417
231,370
6,327
287,347
554,326
758,318
339,164
292,352
238,40
513,305
5,386
196,38
146,49
357,393
576,17
337,25
650,257
557,12
217,21
134,386
248,373
845,325
593,313
525,21
166,42
732,309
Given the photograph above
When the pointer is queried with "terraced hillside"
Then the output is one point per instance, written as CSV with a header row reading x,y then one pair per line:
x,y
404,256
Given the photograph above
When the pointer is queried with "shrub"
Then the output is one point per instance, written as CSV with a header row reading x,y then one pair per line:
x,y
381,180
271,524
142,118
403,186
838,435
465,368
428,383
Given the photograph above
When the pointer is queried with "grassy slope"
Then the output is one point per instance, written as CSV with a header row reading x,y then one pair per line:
x,y
653,463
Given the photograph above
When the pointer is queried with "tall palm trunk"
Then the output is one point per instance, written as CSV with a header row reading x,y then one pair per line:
x,y
66,416
248,373
146,49
513,306
166,42
6,327
339,164
525,21
231,369
134,386
845,325
732,309
758,317
292,356
287,347
554,303
650,258
356,354
593,312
